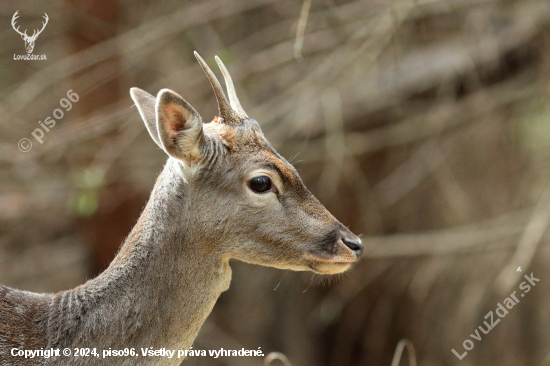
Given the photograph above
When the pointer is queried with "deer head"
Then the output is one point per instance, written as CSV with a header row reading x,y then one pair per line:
x,y
29,41
247,201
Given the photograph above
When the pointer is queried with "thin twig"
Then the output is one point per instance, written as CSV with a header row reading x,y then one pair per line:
x,y
399,352
276,356
530,239
301,29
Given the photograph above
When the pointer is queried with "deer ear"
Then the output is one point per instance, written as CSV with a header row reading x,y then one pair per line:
x,y
179,127
146,104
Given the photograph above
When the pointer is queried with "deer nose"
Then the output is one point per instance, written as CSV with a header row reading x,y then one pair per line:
x,y
354,244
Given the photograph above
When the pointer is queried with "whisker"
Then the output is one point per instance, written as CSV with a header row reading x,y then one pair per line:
x,y
310,283
276,287
293,157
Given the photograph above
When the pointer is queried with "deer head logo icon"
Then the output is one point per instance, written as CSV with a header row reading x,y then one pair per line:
x,y
29,40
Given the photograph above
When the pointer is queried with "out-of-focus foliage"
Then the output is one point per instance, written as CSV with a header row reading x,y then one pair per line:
x,y
424,125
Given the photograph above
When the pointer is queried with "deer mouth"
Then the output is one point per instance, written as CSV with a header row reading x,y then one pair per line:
x,y
331,265
337,258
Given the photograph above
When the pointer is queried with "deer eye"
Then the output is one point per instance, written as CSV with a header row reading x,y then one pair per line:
x,y
260,184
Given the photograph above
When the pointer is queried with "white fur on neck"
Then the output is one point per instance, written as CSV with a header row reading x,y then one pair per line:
x,y
186,170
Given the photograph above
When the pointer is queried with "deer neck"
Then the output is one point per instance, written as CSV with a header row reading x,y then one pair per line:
x,y
158,290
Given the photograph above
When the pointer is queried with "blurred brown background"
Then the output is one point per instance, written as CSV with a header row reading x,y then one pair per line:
x,y
424,125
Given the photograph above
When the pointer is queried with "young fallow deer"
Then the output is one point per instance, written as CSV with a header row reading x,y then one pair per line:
x,y
224,193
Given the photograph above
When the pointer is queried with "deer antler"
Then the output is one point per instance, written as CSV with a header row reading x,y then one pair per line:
x,y
227,113
36,31
233,100
13,19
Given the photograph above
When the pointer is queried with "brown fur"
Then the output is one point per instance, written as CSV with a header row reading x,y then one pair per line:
x,y
168,274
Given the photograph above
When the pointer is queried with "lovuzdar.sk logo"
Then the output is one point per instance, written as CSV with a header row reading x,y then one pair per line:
x,y
29,40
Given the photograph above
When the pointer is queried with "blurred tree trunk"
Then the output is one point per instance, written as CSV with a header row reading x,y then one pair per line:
x,y
91,23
